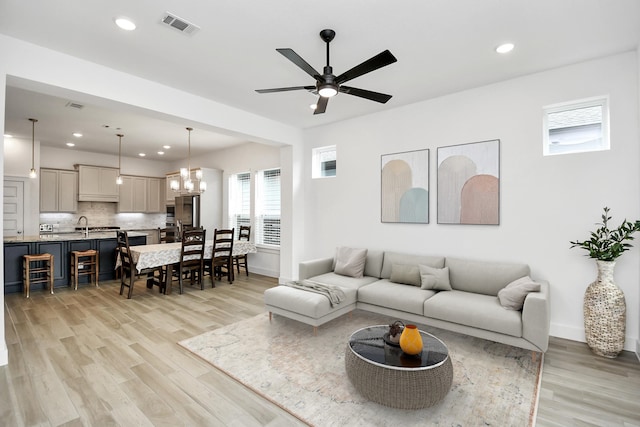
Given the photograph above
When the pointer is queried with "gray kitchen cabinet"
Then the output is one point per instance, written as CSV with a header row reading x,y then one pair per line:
x,y
141,194
155,195
97,184
133,194
170,194
58,190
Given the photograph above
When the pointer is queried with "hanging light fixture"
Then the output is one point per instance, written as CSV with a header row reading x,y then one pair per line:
x,y
185,175
32,172
119,178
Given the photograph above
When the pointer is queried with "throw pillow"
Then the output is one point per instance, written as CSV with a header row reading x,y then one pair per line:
x,y
436,279
350,261
405,274
513,295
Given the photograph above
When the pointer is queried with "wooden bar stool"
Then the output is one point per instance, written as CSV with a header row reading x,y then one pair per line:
x,y
40,272
84,263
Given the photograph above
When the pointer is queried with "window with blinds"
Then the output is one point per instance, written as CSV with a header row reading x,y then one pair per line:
x,y
267,212
239,200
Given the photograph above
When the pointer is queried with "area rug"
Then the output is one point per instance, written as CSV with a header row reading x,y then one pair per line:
x,y
281,360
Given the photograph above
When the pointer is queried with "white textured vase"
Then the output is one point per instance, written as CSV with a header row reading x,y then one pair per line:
x,y
605,313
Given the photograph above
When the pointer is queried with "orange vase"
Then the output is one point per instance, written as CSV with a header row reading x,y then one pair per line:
x,y
410,340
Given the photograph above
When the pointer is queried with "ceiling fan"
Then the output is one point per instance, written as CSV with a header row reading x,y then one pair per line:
x,y
327,84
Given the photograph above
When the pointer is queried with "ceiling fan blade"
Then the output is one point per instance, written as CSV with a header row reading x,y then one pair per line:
x,y
321,106
297,59
367,94
380,60
285,89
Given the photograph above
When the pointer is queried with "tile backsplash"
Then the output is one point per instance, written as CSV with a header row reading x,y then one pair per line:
x,y
102,214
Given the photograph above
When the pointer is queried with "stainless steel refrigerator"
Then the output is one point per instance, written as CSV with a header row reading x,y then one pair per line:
x,y
187,211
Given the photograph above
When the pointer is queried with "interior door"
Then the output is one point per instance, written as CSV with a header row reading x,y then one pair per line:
x,y
13,221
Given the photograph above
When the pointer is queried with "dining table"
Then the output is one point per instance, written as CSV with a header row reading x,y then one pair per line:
x,y
168,254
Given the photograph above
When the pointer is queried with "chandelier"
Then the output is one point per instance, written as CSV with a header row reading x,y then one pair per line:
x,y
189,184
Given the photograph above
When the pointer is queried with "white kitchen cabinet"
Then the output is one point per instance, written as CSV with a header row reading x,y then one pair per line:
x,y
141,194
170,198
155,195
133,194
58,190
97,184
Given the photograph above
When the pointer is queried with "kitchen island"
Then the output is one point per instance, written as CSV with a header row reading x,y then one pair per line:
x,y
60,246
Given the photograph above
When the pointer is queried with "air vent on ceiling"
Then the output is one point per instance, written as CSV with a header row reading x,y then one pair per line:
x,y
179,24
74,105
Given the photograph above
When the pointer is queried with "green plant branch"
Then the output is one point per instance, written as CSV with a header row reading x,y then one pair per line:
x,y
606,244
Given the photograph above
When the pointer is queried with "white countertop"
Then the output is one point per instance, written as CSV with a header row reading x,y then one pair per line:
x,y
57,237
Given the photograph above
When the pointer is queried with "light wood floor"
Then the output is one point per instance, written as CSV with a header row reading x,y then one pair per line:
x,y
92,357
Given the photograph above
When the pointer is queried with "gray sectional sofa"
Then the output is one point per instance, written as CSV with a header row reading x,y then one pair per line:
x,y
389,285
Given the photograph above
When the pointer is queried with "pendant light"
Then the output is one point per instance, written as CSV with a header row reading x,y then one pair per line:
x,y
32,172
185,174
119,179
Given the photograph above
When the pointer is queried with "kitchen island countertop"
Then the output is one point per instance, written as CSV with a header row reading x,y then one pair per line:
x,y
58,237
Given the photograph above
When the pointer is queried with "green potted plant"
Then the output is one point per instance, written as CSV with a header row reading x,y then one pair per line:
x,y
604,304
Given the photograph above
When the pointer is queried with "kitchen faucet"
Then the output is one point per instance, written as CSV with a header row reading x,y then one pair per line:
x,y
86,225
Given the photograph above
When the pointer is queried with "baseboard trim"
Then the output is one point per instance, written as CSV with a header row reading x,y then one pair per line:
x,y
577,334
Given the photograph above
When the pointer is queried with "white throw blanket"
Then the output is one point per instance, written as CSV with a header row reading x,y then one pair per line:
x,y
333,293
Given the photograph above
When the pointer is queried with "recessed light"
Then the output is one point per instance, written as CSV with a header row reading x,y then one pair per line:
x,y
125,23
505,48
70,144
141,154
77,134
166,147
313,106
6,135
161,153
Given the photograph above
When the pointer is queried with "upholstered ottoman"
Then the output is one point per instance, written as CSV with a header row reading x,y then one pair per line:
x,y
307,307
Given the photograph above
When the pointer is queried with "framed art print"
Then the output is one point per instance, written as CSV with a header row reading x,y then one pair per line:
x,y
469,183
405,187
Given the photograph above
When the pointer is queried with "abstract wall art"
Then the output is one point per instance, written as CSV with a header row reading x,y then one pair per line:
x,y
405,187
469,183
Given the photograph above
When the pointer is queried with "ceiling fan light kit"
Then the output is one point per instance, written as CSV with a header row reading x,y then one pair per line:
x,y
327,84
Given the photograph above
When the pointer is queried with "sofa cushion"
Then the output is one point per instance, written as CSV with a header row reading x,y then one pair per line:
x,y
344,281
373,266
350,261
391,258
405,274
392,295
475,310
483,277
305,303
513,295
434,278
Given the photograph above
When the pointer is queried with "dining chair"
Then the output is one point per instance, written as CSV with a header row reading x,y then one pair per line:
x,y
192,257
168,235
221,263
241,260
128,270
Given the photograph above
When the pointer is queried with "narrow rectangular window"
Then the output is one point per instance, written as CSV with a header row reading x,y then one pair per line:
x,y
239,200
267,212
323,162
576,127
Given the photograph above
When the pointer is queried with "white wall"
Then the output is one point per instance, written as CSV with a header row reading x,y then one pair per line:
x,y
544,201
249,157
17,164
62,158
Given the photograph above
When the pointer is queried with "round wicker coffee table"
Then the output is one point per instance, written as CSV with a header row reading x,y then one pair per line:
x,y
384,374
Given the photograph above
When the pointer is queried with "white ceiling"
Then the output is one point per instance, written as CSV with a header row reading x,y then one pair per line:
x,y
441,46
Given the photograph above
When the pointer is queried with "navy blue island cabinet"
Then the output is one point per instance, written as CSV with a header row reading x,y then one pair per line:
x,y
61,250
